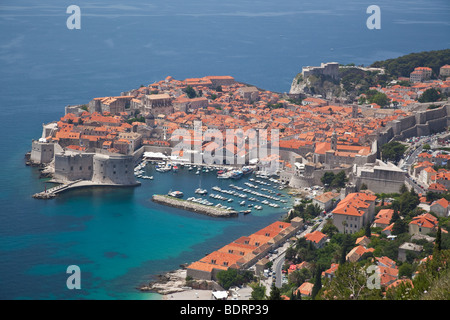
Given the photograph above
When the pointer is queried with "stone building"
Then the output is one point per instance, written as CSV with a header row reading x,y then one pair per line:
x,y
444,71
408,247
41,151
249,94
329,69
354,212
379,177
157,104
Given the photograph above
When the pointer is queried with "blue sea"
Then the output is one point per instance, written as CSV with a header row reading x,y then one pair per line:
x,y
118,237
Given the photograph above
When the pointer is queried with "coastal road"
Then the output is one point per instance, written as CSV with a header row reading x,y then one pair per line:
x,y
277,267
278,262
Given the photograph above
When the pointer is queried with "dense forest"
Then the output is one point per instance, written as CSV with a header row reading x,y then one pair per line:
x,y
404,65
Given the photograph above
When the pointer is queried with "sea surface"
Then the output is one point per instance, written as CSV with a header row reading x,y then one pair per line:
x,y
117,237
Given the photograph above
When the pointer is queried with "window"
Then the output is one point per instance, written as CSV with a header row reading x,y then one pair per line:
x,y
257,244
71,168
213,261
81,168
230,251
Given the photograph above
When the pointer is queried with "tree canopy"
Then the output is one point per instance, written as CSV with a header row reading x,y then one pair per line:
x,y
393,151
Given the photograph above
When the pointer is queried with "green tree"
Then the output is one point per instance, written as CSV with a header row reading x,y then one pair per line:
x,y
405,270
395,217
438,242
403,188
430,95
317,283
350,283
275,293
233,277
399,227
258,292
367,231
330,229
327,178
380,99
393,151
339,180
190,92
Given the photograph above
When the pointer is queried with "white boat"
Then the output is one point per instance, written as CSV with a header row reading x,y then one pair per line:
x,y
201,191
176,194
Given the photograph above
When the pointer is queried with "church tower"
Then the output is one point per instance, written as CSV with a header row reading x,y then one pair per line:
x,y
334,141
354,111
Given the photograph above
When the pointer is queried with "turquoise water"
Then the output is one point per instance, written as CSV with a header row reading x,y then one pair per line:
x,y
117,236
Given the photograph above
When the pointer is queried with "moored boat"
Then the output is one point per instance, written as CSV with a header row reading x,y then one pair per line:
x,y
176,194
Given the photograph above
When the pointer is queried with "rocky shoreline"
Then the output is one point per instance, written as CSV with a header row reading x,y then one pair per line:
x,y
171,282
175,282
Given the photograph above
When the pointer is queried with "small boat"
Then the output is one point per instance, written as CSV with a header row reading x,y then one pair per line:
x,y
176,194
201,191
242,203
175,168
236,174
246,211
198,172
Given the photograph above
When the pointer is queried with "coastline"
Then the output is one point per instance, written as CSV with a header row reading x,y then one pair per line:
x,y
172,286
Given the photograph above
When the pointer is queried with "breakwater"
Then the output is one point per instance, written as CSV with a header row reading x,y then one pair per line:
x,y
192,206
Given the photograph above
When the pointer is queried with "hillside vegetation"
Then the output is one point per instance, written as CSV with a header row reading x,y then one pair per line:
x,y
404,65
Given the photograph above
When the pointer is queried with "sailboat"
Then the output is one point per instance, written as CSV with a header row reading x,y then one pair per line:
x,y
199,190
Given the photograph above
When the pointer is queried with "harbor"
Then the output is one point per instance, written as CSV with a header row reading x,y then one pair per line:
x,y
229,191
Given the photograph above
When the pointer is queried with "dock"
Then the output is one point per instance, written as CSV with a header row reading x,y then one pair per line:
x,y
194,207
76,184
52,192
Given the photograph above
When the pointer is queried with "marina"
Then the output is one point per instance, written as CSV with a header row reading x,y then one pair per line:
x,y
250,191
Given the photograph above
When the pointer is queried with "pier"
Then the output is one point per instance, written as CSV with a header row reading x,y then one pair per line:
x,y
192,206
53,192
